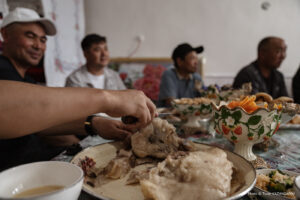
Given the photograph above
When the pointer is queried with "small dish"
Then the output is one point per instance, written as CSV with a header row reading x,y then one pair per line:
x,y
272,195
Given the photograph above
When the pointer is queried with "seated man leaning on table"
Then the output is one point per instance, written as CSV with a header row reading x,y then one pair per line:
x,y
95,72
183,80
24,43
263,73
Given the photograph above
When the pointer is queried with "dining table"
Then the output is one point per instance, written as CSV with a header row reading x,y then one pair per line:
x,y
282,152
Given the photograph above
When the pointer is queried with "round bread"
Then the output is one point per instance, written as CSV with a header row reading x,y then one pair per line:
x,y
264,97
283,99
295,120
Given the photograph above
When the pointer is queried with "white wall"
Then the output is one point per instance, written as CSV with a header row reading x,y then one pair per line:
x,y
229,29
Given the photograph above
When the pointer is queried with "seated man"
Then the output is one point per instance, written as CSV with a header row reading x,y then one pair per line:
x,y
296,86
24,35
263,73
24,42
95,72
182,80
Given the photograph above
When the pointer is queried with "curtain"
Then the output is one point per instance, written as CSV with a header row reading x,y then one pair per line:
x,y
63,54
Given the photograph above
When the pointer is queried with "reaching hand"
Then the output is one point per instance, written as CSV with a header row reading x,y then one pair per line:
x,y
131,103
111,129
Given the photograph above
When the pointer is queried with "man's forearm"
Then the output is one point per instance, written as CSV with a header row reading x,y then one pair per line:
x,y
27,108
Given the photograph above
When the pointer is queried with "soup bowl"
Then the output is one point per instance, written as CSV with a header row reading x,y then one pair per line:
x,y
49,180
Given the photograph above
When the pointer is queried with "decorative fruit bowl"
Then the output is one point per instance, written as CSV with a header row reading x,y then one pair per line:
x,y
246,129
246,123
193,109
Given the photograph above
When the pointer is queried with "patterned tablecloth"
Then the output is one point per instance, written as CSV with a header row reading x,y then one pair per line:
x,y
283,152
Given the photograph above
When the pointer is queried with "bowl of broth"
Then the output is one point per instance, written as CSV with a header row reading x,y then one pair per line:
x,y
48,180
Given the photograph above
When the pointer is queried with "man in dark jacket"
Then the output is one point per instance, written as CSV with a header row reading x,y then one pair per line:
x,y
263,73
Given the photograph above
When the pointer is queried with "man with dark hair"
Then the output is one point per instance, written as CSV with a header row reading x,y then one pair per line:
x,y
95,73
263,73
90,39
24,35
182,80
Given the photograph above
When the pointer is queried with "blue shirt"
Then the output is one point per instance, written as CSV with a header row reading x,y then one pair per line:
x,y
172,85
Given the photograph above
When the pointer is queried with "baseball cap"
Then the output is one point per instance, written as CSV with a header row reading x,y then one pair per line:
x,y
183,49
24,15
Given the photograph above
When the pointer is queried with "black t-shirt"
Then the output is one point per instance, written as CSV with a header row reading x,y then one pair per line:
x,y
24,149
8,72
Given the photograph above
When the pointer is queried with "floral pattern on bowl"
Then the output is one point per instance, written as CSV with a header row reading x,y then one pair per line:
x,y
194,112
244,129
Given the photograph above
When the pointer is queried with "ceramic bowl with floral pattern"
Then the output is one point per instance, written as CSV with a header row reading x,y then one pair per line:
x,y
193,109
245,129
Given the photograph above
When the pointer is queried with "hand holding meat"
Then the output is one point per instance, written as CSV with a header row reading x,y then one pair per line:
x,y
132,103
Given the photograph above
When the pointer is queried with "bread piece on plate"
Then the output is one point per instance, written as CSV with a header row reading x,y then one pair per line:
x,y
263,97
283,99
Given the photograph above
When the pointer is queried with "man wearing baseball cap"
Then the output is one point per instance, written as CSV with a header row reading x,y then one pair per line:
x,y
24,35
182,80
24,44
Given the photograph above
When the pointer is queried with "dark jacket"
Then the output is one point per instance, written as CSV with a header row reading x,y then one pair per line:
x,y
296,86
274,85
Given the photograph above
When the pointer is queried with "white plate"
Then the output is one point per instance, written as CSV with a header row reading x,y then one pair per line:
x,y
297,187
268,195
117,189
289,127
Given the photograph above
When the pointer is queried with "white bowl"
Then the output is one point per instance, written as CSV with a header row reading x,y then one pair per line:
x,y
268,195
297,187
193,112
245,129
39,174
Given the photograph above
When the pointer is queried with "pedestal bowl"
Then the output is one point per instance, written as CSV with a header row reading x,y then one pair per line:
x,y
246,129
194,110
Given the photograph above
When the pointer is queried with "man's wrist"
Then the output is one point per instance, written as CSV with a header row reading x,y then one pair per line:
x,y
88,126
